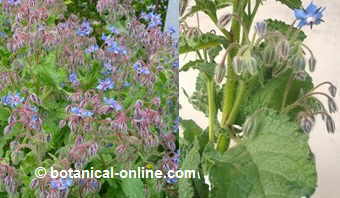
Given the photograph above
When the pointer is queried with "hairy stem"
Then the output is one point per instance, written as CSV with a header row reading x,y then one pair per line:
x,y
212,109
238,101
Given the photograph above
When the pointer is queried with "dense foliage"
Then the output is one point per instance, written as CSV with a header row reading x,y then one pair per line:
x,y
260,102
71,100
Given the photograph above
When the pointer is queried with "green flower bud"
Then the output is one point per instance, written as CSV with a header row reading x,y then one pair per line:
x,y
269,56
220,72
312,63
251,65
283,49
238,65
223,142
299,63
224,20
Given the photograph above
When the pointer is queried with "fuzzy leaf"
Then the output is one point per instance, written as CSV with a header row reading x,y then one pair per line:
x,y
292,4
285,29
191,162
273,161
133,188
203,41
191,130
269,97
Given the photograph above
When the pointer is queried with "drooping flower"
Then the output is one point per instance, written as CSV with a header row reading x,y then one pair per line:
x,y
85,29
140,69
114,47
106,84
12,100
312,15
113,103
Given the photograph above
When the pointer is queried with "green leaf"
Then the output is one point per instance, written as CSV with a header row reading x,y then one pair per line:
x,y
269,97
191,130
133,188
285,29
202,41
191,162
273,161
292,4
4,114
201,65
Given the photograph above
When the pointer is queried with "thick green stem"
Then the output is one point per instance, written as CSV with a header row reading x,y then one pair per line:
x,y
241,91
212,109
230,87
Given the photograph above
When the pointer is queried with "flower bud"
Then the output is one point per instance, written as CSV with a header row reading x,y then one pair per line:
x,y
283,49
238,65
269,56
332,90
261,28
307,122
312,63
330,125
332,107
251,65
220,72
299,63
224,20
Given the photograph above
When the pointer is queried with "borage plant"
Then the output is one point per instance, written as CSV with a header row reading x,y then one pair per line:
x,y
260,102
69,100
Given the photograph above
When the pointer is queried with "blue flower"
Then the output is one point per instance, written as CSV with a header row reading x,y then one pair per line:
x,y
85,29
14,2
140,69
73,78
81,112
113,46
113,103
61,184
106,84
12,100
92,49
113,29
171,180
312,15
126,84
153,19
3,34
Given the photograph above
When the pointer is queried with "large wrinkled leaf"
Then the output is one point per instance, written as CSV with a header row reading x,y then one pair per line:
x,y
133,188
271,95
274,160
292,4
191,130
191,162
285,29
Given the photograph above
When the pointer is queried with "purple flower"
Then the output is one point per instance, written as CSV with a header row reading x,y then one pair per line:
x,y
81,112
105,37
14,2
92,49
312,15
106,84
61,184
113,103
12,100
113,29
85,29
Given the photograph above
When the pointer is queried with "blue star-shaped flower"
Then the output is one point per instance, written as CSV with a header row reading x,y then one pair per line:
x,y
312,15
